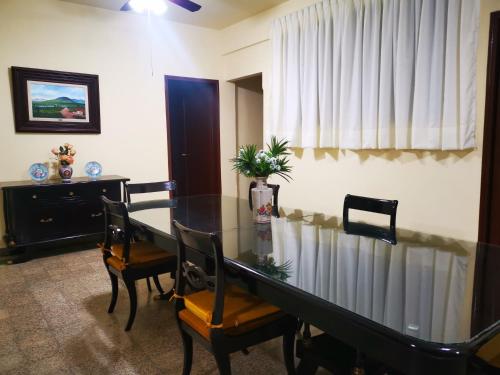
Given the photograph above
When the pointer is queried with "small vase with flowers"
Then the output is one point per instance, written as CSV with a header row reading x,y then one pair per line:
x,y
65,156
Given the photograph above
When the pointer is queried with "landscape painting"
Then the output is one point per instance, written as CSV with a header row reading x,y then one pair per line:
x,y
51,101
57,102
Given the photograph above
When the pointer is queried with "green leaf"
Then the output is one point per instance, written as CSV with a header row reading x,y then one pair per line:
x,y
250,163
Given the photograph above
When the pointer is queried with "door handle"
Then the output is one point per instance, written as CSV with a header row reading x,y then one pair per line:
x,y
49,220
184,155
96,215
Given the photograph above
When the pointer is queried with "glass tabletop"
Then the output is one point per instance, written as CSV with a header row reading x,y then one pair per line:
x,y
436,289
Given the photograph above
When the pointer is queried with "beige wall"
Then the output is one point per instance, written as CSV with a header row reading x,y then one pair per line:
x,y
438,191
51,34
249,120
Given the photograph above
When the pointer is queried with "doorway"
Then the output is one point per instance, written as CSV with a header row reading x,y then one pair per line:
x,y
249,119
193,135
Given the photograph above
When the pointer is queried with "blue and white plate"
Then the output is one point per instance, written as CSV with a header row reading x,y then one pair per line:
x,y
93,169
38,172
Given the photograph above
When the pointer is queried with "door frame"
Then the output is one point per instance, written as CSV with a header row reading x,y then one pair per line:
x,y
491,126
215,84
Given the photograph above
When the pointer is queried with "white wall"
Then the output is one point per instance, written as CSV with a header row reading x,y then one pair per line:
x,y
438,191
56,35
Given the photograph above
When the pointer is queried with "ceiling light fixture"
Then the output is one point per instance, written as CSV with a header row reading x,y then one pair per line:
x,y
157,7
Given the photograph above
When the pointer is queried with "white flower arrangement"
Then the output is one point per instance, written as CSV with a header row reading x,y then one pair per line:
x,y
253,163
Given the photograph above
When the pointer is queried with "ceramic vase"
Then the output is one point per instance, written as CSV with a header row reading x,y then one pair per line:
x,y
65,171
264,244
262,197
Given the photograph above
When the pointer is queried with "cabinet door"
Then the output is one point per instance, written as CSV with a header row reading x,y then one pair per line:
x,y
35,216
87,218
86,214
43,222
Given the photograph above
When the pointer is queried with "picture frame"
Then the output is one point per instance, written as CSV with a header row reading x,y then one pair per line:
x,y
49,101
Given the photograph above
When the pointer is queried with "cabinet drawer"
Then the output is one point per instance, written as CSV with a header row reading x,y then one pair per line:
x,y
108,189
92,192
43,195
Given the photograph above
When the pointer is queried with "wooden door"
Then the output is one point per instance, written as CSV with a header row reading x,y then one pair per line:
x,y
193,135
487,278
489,217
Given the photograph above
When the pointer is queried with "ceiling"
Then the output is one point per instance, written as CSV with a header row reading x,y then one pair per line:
x,y
215,14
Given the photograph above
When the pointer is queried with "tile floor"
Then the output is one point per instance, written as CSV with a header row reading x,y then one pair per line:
x,y
53,320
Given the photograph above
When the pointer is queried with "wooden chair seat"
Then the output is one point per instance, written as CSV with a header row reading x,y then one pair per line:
x,y
242,311
204,330
142,254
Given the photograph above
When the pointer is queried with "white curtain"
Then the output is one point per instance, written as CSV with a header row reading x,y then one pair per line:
x,y
368,74
417,290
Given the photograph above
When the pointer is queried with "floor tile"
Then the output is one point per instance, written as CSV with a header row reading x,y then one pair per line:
x,y
54,320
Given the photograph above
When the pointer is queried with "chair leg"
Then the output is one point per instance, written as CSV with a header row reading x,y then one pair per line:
x,y
114,292
223,363
158,285
288,352
130,284
148,282
187,342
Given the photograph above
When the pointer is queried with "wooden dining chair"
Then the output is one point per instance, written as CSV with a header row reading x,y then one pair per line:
x,y
221,316
375,205
128,259
275,188
341,358
150,187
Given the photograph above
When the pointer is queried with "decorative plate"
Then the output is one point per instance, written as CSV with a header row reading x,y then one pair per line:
x,y
38,172
93,169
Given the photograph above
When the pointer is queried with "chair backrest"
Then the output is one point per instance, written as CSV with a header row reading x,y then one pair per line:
x,y
200,263
148,187
381,206
275,188
117,227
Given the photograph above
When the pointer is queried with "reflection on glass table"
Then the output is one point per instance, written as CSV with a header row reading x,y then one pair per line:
x,y
418,288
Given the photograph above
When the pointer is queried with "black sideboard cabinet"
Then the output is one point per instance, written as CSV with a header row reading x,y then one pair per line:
x,y
54,212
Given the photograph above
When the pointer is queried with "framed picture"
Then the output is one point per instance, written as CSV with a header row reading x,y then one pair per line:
x,y
48,101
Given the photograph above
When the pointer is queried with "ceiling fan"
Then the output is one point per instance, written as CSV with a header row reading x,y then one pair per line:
x,y
186,4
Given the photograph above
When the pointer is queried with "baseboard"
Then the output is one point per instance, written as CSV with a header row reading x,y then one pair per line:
x,y
23,254
11,256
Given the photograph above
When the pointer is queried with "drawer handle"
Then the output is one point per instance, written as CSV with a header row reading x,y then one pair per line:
x,y
71,193
96,215
34,196
48,220
104,190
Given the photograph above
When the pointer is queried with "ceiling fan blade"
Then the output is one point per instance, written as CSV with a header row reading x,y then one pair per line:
x,y
187,4
126,7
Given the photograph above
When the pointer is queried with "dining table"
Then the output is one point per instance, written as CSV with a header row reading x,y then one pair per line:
x,y
419,303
